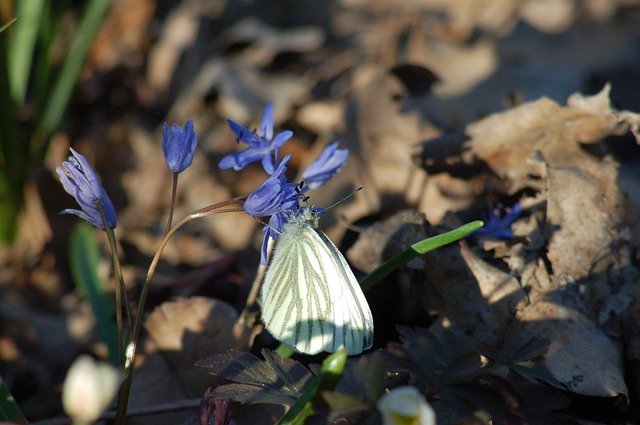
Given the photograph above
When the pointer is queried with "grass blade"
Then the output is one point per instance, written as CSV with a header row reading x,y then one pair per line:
x,y
21,47
84,257
416,250
68,75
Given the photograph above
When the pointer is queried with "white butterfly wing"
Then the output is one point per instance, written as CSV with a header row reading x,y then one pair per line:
x,y
310,298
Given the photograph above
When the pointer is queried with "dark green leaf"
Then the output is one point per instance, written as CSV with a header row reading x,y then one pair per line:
x,y
9,410
277,380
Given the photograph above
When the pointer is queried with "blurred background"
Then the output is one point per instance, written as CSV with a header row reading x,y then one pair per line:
x,y
379,76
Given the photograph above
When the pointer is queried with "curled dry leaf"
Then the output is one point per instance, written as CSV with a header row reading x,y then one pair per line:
x,y
580,356
584,221
506,140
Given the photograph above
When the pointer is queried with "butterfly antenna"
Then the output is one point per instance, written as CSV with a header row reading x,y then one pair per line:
x,y
345,198
267,225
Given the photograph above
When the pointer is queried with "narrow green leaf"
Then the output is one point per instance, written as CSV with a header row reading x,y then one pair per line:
x,y
21,46
84,257
416,250
9,409
330,373
68,76
13,154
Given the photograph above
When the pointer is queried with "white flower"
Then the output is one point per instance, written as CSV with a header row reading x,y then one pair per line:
x,y
88,388
405,406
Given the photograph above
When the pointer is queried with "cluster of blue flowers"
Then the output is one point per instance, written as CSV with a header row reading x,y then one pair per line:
x,y
275,197
80,180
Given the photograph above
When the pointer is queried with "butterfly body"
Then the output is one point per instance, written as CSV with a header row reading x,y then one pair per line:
x,y
311,300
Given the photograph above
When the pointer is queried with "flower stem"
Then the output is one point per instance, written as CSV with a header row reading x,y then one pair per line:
x,y
174,192
232,205
117,270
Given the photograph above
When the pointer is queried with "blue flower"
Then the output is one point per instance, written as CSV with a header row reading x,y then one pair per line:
x,y
261,144
178,145
275,197
81,181
330,161
499,223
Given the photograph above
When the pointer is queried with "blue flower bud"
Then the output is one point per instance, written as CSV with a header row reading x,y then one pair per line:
x,y
178,145
81,181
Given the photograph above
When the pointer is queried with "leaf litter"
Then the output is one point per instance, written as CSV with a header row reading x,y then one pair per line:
x,y
449,109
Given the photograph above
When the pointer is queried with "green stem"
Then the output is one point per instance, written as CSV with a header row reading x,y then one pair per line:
x,y
330,373
416,250
130,353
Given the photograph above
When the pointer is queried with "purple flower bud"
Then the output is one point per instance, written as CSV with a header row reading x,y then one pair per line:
x,y
178,145
330,161
261,144
81,181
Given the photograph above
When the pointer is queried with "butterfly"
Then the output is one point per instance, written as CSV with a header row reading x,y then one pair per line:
x,y
311,300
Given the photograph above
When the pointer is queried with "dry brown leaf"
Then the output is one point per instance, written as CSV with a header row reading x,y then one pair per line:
x,y
179,32
580,355
584,213
265,42
478,299
505,141
459,67
381,135
123,35
196,327
549,15
181,332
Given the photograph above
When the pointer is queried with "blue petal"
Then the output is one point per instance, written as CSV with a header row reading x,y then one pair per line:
x,y
94,220
239,160
281,138
266,123
267,164
247,136
330,162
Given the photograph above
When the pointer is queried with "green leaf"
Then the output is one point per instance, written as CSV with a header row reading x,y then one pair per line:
x,y
68,76
21,46
84,257
9,409
417,249
275,380
330,373
13,153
